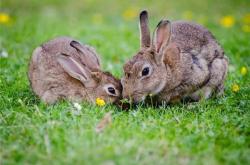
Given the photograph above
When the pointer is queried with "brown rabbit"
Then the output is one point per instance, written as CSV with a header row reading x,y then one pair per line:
x,y
183,60
65,69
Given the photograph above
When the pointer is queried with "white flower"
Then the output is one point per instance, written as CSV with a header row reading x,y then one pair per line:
x,y
77,106
4,54
76,110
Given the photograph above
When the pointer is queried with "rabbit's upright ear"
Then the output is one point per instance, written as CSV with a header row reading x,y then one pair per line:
x,y
161,35
144,30
73,68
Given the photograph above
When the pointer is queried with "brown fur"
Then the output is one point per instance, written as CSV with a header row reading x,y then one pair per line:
x,y
185,61
52,83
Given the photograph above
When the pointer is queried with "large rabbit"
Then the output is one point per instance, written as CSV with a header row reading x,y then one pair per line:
x,y
183,60
65,69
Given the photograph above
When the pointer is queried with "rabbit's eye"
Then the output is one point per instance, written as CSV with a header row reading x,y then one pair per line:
x,y
111,90
145,71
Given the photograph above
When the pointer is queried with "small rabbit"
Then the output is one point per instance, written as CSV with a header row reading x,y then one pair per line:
x,y
183,60
65,69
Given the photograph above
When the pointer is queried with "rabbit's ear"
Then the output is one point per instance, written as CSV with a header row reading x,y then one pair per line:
x,y
161,35
171,56
144,30
90,58
97,76
73,68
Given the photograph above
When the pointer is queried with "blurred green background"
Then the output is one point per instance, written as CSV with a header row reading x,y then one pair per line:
x,y
216,131
112,26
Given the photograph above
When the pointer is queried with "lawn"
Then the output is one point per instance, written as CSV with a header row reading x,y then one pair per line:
x,y
215,131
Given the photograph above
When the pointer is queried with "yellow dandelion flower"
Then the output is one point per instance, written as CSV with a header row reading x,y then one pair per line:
x,y
227,21
100,102
235,88
187,15
246,28
4,18
130,14
246,19
97,18
243,70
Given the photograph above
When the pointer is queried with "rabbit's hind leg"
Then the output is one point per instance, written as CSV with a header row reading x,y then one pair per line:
x,y
203,93
218,71
49,97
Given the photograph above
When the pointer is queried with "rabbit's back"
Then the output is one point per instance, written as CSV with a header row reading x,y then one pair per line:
x,y
196,39
48,79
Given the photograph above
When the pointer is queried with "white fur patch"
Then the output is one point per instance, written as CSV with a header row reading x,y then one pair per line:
x,y
143,98
159,88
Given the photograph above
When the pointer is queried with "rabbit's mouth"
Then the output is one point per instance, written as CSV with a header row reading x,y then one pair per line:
x,y
126,104
139,97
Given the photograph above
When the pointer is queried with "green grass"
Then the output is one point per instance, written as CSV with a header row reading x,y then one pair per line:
x,y
216,131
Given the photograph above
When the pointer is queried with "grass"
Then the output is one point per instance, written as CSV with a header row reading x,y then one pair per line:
x,y
216,131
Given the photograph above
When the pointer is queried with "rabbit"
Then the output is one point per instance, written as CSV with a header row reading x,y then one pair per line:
x,y
62,68
183,60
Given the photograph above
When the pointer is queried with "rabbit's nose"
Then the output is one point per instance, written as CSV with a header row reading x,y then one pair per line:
x,y
127,94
